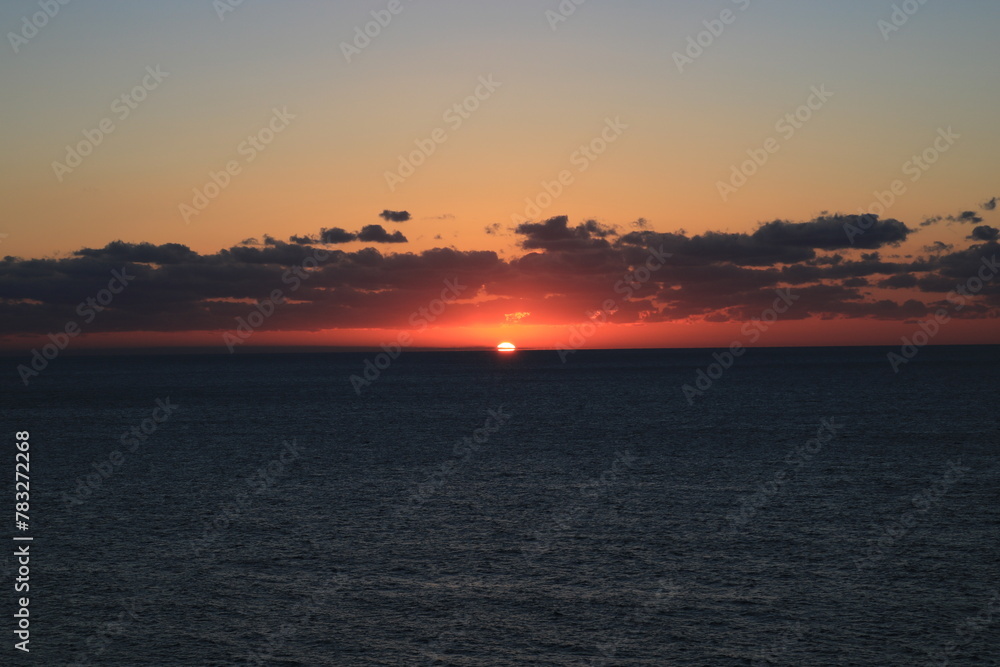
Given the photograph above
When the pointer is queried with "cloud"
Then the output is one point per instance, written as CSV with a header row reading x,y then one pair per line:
x,y
901,281
146,253
777,242
985,233
555,234
514,318
565,271
969,217
828,232
966,216
990,205
377,234
336,235
326,237
394,216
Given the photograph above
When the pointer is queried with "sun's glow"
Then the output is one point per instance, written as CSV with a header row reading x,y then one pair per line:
x,y
506,347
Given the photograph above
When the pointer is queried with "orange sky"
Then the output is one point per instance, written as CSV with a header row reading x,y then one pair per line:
x,y
156,125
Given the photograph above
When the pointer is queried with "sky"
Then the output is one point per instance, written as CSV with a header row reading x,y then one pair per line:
x,y
536,153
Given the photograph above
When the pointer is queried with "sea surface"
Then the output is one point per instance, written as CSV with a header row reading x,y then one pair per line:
x,y
808,507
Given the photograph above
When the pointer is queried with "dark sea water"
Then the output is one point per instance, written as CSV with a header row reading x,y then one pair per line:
x,y
810,508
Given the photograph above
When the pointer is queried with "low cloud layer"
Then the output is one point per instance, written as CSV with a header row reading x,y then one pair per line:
x,y
565,271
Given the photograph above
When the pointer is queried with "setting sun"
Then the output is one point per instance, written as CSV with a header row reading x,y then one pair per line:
x,y
506,347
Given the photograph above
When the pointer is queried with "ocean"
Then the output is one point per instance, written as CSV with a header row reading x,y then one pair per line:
x,y
804,506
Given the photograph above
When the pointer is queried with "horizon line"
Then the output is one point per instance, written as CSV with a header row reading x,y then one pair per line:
x,y
331,349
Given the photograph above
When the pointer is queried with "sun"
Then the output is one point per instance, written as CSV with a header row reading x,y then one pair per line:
x,y
506,347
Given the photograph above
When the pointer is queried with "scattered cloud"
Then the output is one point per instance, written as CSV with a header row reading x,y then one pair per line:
x,y
939,246
336,235
776,242
514,318
985,233
378,234
899,281
965,217
556,234
394,216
